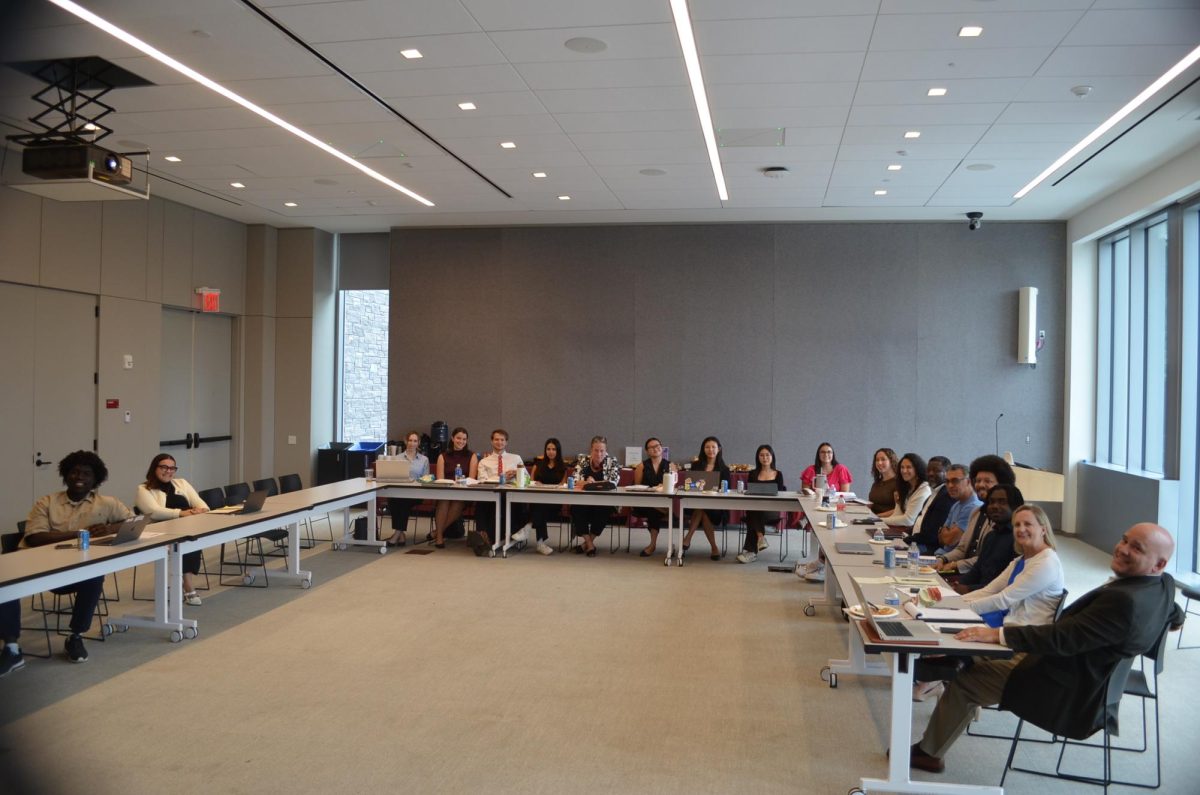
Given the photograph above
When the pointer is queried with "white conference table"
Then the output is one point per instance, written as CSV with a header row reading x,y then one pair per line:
x,y
481,492
782,502
340,496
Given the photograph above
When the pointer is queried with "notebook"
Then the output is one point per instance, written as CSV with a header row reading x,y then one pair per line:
x,y
253,504
128,530
901,632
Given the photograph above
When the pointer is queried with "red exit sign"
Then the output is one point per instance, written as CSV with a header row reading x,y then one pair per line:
x,y
208,299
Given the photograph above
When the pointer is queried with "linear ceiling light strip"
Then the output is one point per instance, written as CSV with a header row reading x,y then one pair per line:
x,y
1113,120
691,59
212,85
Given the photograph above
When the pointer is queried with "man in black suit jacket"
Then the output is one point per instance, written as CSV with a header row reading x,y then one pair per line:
x,y
1057,677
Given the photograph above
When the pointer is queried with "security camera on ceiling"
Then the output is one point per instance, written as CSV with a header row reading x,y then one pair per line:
x,y
974,220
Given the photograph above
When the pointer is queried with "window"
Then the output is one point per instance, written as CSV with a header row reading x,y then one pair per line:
x,y
363,339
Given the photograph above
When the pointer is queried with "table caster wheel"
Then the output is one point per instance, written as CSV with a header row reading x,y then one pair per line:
x,y
106,629
824,671
306,583
810,610
383,550
856,791
833,681
190,632
176,636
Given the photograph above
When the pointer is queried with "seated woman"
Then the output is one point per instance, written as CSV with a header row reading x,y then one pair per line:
x,y
883,488
911,492
1026,593
550,470
459,455
650,473
836,475
163,496
709,460
400,508
756,521
589,521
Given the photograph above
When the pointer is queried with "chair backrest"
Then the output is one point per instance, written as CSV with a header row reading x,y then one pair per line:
x,y
213,498
1062,604
290,483
1113,692
236,493
9,542
1158,651
268,484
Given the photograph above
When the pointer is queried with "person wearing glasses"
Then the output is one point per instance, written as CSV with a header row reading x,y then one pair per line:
x,y
650,473
163,496
966,502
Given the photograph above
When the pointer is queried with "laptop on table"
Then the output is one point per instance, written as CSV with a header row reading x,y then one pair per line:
x,y
770,489
394,471
711,480
126,531
253,504
900,632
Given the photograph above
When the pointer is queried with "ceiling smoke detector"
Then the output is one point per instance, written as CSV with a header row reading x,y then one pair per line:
x,y
775,172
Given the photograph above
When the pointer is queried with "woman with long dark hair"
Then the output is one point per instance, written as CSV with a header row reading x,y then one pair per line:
x,y
709,460
163,496
549,470
756,521
458,455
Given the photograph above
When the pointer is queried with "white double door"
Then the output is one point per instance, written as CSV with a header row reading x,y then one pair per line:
x,y
48,400
195,413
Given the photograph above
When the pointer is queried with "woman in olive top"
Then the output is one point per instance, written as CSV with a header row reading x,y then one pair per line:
x,y
756,521
548,469
709,460
448,511
650,473
912,491
400,508
836,475
164,496
883,489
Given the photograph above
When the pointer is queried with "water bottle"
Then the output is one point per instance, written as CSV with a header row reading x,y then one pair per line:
x,y
457,473
892,597
879,534
914,557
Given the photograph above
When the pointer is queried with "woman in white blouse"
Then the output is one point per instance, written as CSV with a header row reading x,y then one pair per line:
x,y
164,496
912,491
1026,593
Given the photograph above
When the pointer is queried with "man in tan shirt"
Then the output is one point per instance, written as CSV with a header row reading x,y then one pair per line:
x,y
56,518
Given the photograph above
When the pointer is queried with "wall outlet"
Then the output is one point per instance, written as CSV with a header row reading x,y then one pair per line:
x,y
291,440
128,417
128,361
1027,438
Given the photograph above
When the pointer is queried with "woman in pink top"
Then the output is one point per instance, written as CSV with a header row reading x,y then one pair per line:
x,y
826,463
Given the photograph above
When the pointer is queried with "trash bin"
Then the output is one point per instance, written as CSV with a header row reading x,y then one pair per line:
x,y
360,456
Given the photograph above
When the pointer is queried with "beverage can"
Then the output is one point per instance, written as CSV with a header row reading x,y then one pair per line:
x,y
85,539
570,482
724,486
741,487
889,558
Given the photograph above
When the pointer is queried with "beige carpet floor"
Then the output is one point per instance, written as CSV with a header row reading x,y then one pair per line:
x,y
448,673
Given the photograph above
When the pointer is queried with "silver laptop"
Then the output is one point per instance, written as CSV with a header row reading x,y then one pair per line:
x,y
128,530
395,470
895,631
253,504
853,547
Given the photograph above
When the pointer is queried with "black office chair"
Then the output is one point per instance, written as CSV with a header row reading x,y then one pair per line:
x,y
290,483
236,494
213,498
248,553
1189,592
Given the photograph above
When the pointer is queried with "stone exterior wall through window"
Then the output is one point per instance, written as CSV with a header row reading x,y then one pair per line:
x,y
364,365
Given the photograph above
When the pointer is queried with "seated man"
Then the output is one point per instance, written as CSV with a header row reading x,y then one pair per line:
x,y
490,468
966,501
986,471
56,518
937,507
1058,675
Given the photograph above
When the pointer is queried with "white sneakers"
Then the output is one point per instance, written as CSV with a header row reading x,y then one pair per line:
x,y
192,598
747,557
520,537
543,548
762,544
815,576
813,571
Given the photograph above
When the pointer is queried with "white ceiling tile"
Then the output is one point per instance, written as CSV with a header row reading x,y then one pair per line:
x,y
630,171
604,74
543,160
992,152
306,113
784,35
1104,89
779,155
913,92
860,197
628,121
637,183
828,67
649,158
438,82
594,142
956,6
151,98
940,31
630,41
580,200
383,55
519,14
325,88
1057,112
615,100
916,173
887,153
1149,61
655,199
1137,26
350,20
766,9
798,197
493,127
499,103
780,95
967,64
1009,175
922,116
894,136
817,117
228,118
975,200
526,144
1035,133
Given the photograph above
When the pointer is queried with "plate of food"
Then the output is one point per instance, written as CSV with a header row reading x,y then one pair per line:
x,y
927,570
880,542
886,611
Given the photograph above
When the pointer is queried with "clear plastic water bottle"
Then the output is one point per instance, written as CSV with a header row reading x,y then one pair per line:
x,y
457,473
892,598
879,534
914,557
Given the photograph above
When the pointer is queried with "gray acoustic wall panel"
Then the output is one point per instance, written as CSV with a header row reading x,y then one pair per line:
x,y
865,335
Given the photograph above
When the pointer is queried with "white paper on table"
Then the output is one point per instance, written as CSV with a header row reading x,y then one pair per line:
x,y
943,614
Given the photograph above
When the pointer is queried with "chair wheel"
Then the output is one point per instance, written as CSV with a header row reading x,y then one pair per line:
x,y
810,611
176,636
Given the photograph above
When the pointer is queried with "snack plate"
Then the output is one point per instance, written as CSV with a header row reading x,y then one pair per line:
x,y
884,612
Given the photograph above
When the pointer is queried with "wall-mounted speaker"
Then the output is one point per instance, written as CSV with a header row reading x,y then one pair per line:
x,y
1027,326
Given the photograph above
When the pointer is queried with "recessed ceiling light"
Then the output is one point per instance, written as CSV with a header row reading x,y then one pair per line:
x,y
881,193
173,159
236,185
212,85
413,53
539,175
585,44
1114,119
564,198
466,106
895,167
508,145
691,59
290,204
913,134
936,92
652,172
970,31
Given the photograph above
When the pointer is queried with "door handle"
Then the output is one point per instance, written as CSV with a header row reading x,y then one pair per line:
x,y
38,462
196,438
187,441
